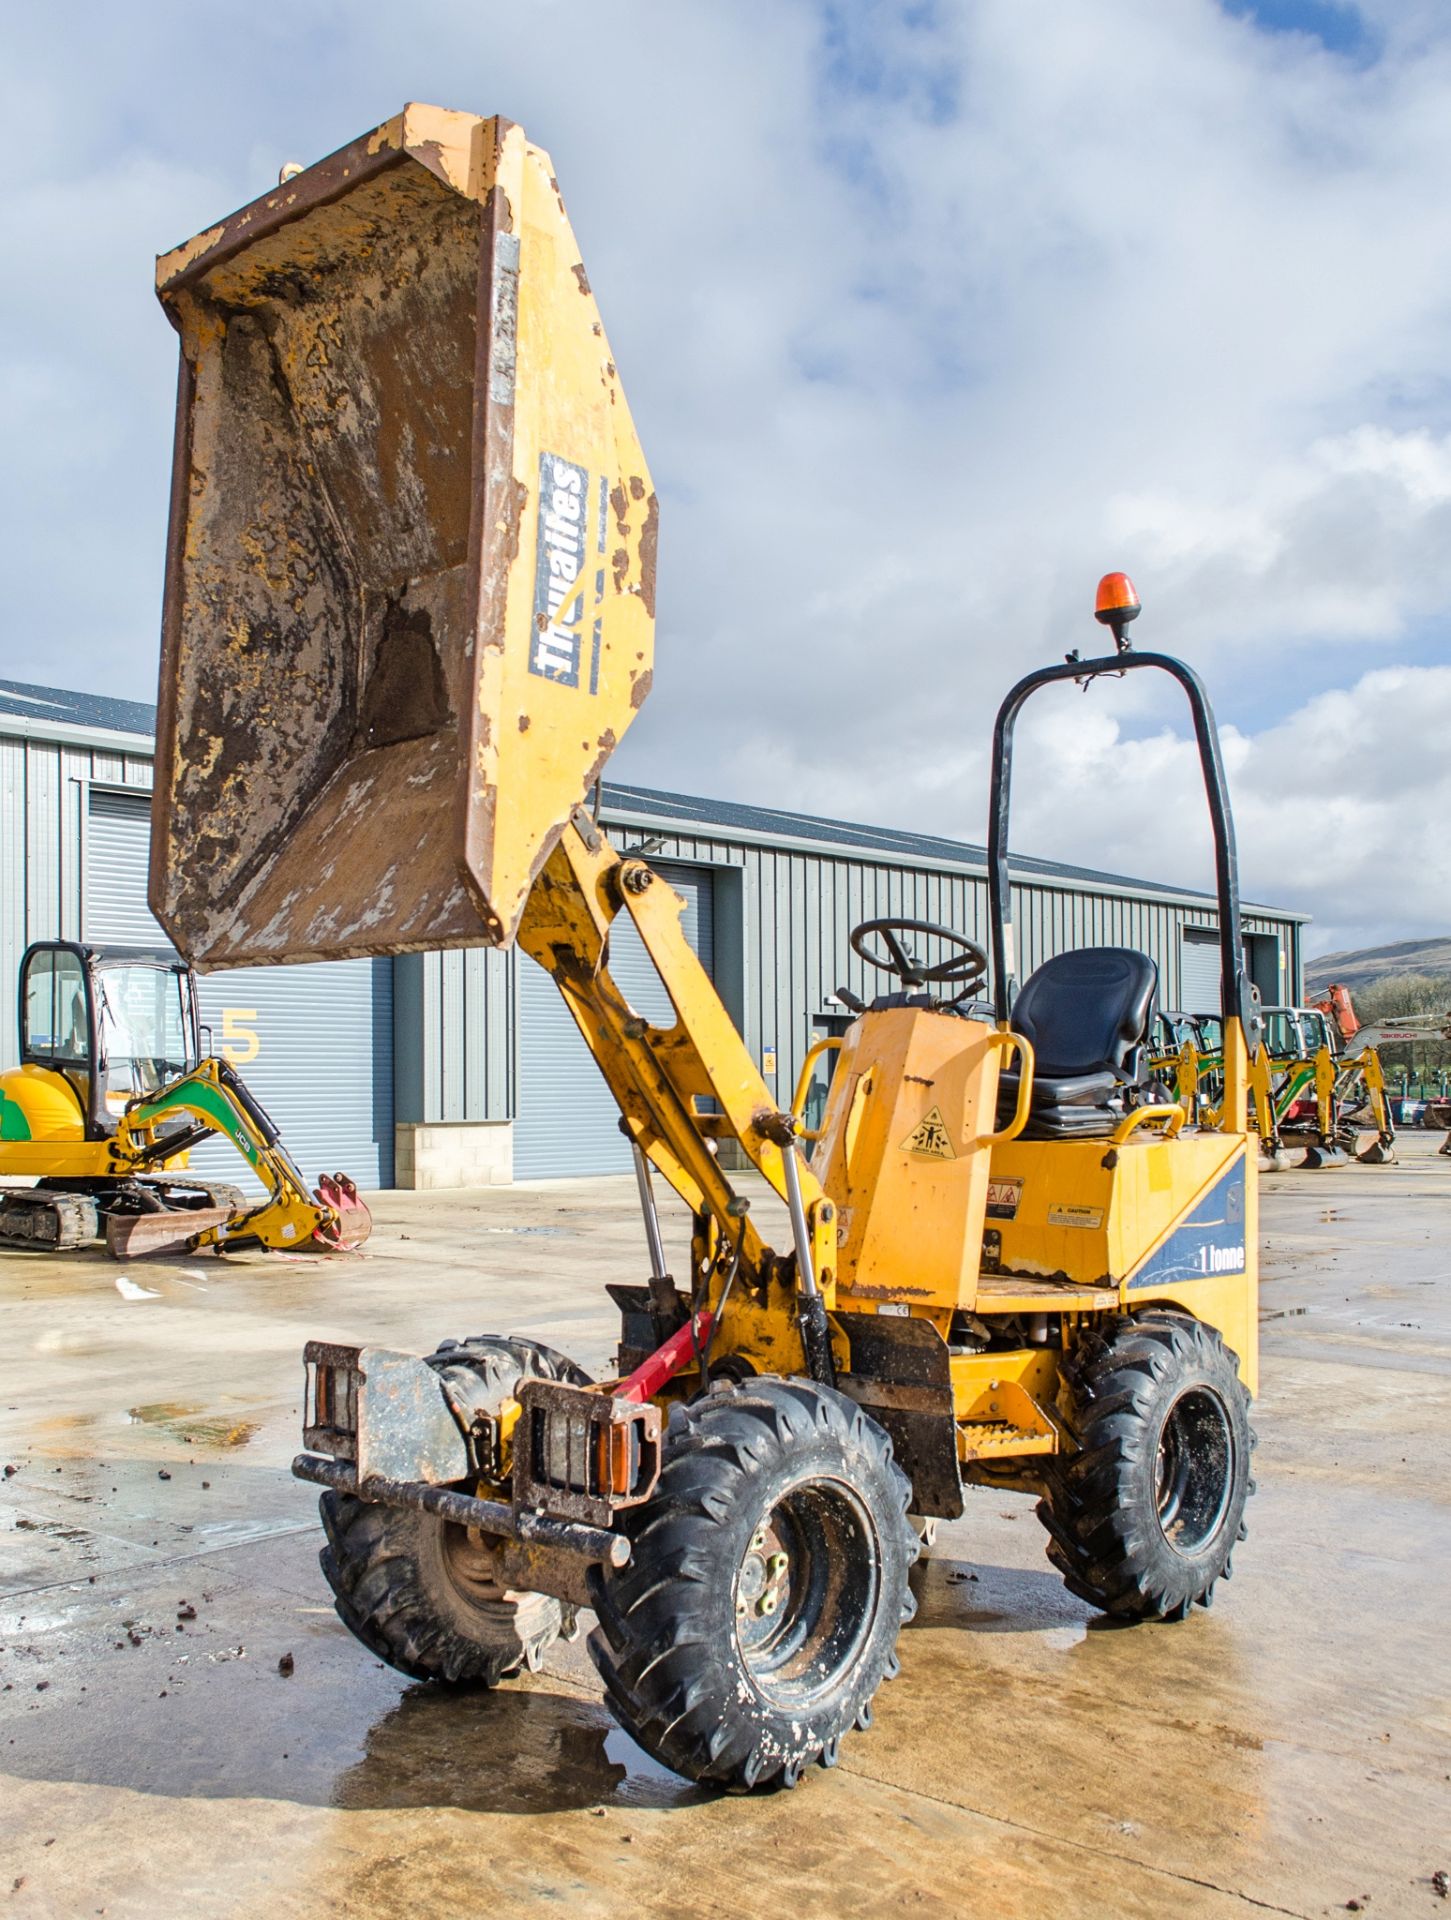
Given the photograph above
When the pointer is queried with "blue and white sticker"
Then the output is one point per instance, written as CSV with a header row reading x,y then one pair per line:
x,y
569,575
1209,1241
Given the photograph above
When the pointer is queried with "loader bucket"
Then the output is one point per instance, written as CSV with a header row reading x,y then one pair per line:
x,y
410,584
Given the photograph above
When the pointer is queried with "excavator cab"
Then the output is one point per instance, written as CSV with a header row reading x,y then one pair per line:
x,y
110,1023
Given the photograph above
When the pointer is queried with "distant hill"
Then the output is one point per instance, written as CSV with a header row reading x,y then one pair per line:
x,y
1368,964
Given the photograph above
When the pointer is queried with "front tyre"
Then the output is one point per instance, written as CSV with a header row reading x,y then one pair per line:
x,y
420,1592
760,1609
1144,1516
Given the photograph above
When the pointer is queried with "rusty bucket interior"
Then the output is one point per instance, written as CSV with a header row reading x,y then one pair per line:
x,y
409,602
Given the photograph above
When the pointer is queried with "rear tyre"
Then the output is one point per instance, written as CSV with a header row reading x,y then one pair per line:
x,y
1144,1517
420,1592
759,1612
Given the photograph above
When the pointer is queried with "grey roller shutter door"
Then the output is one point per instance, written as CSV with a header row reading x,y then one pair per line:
x,y
1199,971
567,1122
315,1043
118,848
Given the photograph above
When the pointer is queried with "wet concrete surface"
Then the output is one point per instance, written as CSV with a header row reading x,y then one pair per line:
x,y
1288,1752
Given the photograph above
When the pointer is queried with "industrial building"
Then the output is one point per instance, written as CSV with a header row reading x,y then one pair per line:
x,y
463,1068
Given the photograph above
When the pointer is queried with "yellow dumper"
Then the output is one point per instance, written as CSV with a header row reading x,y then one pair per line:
x,y
409,614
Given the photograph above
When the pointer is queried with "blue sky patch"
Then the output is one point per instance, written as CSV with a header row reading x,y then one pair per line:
x,y
1339,28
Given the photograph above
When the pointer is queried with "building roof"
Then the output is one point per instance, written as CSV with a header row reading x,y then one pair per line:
x,y
53,707
887,843
76,709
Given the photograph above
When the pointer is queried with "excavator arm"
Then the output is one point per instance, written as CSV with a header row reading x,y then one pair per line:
x,y
216,1098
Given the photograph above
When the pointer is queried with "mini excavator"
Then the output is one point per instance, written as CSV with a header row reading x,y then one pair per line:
x,y
409,614
112,1093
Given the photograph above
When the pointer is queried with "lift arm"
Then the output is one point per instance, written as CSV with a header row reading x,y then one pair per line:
x,y
681,1090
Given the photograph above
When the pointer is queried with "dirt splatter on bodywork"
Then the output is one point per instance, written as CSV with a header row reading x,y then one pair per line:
x,y
389,599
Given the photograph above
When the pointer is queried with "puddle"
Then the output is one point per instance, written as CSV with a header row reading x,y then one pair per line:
x,y
191,1425
531,1233
523,1751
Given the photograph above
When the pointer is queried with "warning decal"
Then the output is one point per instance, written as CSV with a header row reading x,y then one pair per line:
x,y
1003,1198
1075,1216
930,1138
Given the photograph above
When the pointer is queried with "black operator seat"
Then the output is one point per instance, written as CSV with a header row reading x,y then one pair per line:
x,y
1087,1015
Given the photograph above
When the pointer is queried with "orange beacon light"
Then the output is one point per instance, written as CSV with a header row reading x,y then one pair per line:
x,y
1117,604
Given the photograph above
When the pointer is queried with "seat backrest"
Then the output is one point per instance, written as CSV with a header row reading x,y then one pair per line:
x,y
1088,1010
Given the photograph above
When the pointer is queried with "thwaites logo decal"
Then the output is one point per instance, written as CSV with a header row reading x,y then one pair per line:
x,y
1003,1199
1210,1241
569,575
929,1139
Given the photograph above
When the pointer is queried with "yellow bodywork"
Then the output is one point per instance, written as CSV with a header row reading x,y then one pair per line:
x,y
903,1152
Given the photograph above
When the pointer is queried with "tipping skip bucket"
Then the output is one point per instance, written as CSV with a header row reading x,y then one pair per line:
x,y
411,569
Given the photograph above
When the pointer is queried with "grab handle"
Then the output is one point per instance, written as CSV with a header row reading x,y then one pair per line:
x,y
803,1087
1172,1118
1006,1041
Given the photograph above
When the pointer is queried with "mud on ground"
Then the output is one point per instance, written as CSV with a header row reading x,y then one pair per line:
x,y
185,1728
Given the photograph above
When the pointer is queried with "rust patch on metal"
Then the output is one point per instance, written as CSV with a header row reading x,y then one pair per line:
x,y
579,273
514,519
620,567
524,723
649,548
637,487
620,507
640,691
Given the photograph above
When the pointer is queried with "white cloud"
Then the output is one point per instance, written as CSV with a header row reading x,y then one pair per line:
x,y
928,315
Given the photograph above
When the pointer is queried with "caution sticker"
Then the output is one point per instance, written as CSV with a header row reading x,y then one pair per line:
x,y
1003,1197
1075,1216
930,1139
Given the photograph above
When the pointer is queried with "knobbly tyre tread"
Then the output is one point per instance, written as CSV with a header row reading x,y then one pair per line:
x,y
1097,1504
384,1565
666,1645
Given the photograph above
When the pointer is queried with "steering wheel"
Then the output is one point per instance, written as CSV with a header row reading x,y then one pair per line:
x,y
964,968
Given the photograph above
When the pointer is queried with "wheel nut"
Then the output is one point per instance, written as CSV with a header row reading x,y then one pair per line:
x,y
766,1603
776,1564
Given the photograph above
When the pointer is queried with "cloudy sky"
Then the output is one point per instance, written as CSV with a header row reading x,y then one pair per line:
x,y
929,314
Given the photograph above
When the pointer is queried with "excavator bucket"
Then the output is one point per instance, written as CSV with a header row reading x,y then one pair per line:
x,y
410,587
349,1222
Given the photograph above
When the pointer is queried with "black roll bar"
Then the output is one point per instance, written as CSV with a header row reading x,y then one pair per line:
x,y
1238,1000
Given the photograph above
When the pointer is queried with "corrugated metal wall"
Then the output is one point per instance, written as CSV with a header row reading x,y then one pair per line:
x,y
43,792
565,1117
782,921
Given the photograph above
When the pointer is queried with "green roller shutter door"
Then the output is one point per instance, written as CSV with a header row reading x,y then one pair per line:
x,y
567,1122
314,1043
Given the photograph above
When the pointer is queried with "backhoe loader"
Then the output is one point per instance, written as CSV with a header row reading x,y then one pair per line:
x,y
409,614
111,1095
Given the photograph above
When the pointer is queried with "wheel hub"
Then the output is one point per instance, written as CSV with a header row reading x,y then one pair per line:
x,y
1194,1470
805,1595
469,1564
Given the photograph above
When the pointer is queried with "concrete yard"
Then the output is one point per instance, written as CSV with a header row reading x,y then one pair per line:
x,y
1288,1752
